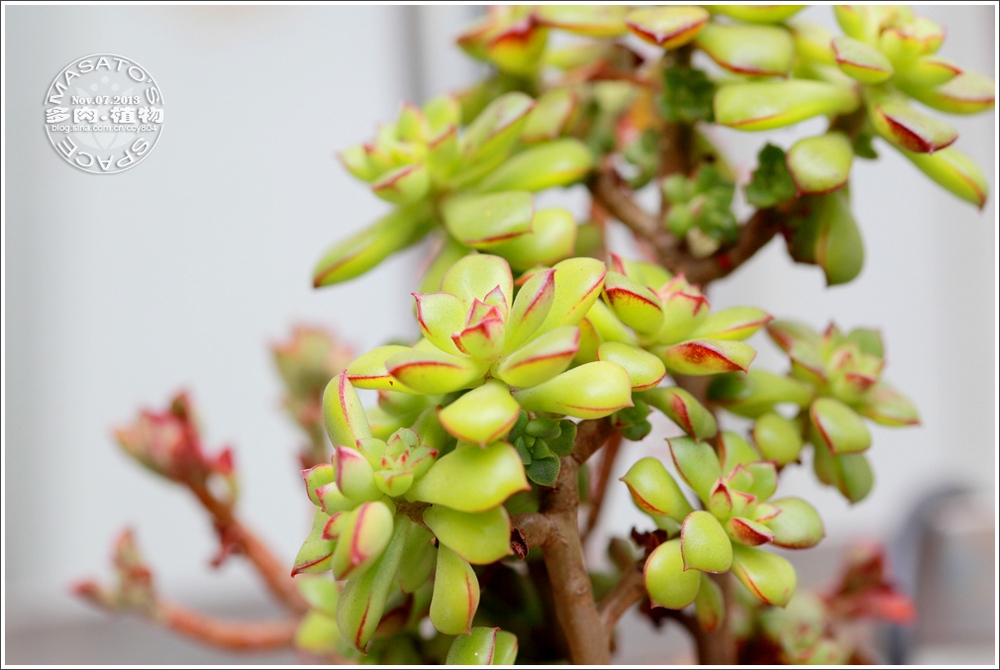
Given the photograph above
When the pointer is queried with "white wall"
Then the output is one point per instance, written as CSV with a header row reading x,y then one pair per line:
x,y
178,273
120,289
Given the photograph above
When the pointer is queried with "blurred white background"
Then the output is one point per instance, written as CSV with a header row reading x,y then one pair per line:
x,y
120,289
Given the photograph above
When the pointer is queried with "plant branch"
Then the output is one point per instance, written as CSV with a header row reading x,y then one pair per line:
x,y
717,647
237,635
533,526
590,436
608,189
571,590
563,552
629,590
603,475
271,569
754,234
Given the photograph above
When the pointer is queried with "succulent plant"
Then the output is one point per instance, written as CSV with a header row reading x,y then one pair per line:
x,y
454,499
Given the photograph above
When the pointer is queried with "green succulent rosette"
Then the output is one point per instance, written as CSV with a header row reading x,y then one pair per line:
x,y
736,488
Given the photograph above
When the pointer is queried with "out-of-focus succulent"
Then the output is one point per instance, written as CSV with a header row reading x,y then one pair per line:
x,y
476,184
169,444
817,628
307,362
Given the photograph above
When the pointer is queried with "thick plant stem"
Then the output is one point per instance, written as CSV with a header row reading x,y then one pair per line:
x,y
608,188
236,635
586,636
563,553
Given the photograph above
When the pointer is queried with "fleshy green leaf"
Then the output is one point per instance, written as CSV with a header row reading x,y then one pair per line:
x,y
954,171
483,646
654,491
481,416
820,164
480,221
667,27
704,543
766,105
456,594
667,582
837,427
683,409
558,163
757,50
769,577
797,526
479,538
696,463
472,479
590,391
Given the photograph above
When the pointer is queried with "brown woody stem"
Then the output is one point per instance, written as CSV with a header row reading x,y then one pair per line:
x,y
629,590
581,625
533,526
237,635
571,591
608,189
603,475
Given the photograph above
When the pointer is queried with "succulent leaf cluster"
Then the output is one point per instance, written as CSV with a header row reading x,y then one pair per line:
x,y
306,362
475,185
834,384
735,488
533,332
